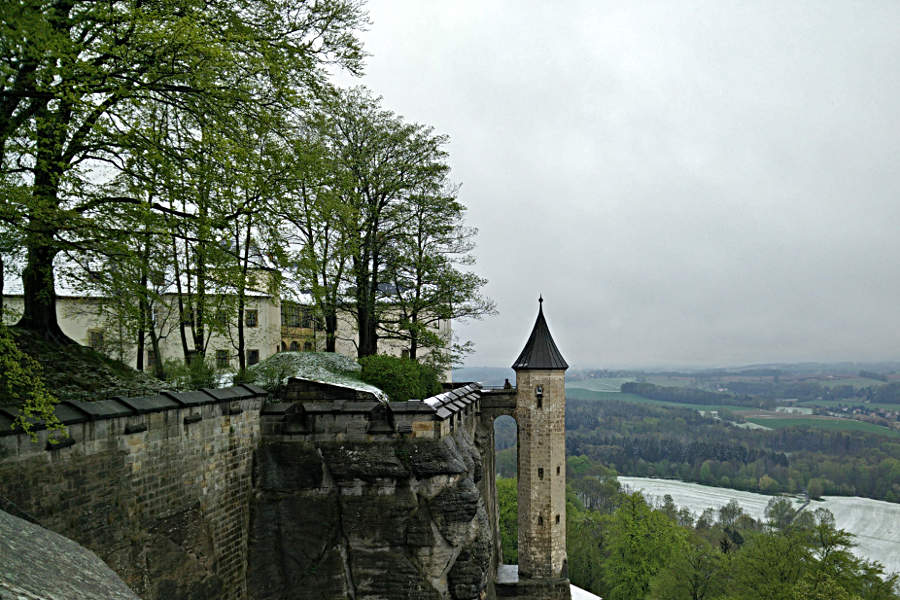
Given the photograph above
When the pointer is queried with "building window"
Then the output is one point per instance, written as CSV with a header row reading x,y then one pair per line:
x,y
308,319
307,346
557,519
222,359
557,469
295,347
404,353
219,318
151,358
290,314
540,520
283,346
540,473
95,339
251,318
252,357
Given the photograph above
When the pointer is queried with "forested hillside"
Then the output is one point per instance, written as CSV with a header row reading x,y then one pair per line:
x,y
659,441
622,548
654,441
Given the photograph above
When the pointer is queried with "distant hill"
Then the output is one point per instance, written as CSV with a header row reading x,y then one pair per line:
x,y
485,375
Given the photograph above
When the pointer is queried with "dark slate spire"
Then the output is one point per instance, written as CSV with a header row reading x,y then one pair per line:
x,y
540,351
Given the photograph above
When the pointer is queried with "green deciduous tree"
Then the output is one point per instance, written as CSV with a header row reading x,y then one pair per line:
x,y
74,75
695,572
401,231
639,542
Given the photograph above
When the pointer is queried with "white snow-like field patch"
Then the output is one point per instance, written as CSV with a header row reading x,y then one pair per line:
x,y
874,523
580,594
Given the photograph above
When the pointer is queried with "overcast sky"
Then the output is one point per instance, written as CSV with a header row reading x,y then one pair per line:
x,y
686,183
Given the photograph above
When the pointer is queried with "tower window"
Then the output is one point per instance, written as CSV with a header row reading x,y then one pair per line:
x,y
251,318
540,402
540,520
557,519
540,473
557,469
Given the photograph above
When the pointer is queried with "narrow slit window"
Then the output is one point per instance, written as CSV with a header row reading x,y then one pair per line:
x,y
540,520
557,519
540,473
557,469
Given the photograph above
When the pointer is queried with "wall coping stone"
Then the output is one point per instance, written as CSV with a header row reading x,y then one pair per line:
x,y
73,412
148,404
101,409
193,397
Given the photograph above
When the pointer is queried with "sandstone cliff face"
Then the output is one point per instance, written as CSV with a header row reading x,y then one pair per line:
x,y
401,519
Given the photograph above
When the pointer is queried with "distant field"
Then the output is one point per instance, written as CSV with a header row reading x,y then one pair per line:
x,y
600,384
582,394
849,402
823,423
776,422
857,382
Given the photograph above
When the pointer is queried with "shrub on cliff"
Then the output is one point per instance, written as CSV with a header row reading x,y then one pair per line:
x,y
400,378
21,384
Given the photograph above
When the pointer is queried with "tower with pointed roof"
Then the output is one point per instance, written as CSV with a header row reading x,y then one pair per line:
x,y
540,414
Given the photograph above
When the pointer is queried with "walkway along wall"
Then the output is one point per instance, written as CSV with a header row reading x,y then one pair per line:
x,y
158,487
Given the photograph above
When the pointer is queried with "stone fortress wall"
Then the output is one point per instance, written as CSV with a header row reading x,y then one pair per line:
x,y
188,495
158,487
326,493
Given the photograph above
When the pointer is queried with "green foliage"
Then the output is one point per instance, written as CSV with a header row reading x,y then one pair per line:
x,y
21,384
639,542
695,572
584,532
508,505
198,373
643,552
400,378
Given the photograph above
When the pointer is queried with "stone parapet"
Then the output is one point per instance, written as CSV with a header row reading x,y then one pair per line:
x,y
330,417
157,486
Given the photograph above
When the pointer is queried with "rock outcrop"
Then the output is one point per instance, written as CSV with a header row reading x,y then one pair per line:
x,y
392,519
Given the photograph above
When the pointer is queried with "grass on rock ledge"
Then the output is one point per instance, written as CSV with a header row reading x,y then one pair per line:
x,y
75,372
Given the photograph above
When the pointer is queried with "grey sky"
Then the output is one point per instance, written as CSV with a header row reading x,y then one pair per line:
x,y
687,183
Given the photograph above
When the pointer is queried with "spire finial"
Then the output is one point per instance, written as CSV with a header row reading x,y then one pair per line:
x,y
540,298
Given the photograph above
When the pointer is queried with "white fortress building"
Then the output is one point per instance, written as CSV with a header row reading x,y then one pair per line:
x,y
271,325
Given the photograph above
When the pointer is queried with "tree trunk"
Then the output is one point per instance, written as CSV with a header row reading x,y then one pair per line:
x,y
38,277
242,359
413,337
245,264
331,330
181,315
158,370
40,294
